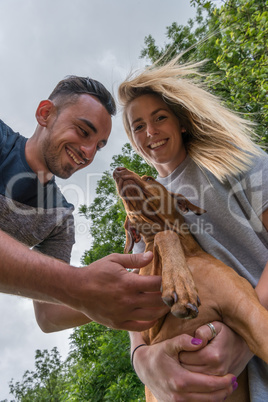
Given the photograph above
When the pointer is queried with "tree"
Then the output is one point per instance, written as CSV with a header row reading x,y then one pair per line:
x,y
234,39
100,366
46,383
97,369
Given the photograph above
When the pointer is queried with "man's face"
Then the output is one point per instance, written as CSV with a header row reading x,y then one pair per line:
x,y
73,137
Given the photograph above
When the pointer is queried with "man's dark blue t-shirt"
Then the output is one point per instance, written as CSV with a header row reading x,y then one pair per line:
x,y
37,215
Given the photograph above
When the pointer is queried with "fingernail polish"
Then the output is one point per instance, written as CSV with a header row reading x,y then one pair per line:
x,y
196,341
235,385
234,379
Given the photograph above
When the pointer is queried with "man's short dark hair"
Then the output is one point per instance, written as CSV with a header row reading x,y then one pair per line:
x,y
72,86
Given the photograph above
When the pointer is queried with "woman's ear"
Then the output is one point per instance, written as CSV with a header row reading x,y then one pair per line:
x,y
43,111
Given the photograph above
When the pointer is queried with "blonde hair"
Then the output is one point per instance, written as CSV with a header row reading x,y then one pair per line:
x,y
216,138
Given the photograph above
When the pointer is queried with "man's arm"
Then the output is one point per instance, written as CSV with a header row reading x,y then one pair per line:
x,y
104,291
57,317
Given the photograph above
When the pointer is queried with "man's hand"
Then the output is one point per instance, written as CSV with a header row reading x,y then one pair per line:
x,y
110,295
161,361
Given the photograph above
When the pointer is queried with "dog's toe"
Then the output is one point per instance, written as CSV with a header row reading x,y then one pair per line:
x,y
170,300
189,311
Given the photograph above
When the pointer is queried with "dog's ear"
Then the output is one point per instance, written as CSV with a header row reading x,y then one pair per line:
x,y
132,236
184,205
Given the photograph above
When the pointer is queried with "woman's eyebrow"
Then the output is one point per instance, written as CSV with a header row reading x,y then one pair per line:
x,y
152,114
158,110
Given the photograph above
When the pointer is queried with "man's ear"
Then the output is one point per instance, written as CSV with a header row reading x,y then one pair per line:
x,y
44,110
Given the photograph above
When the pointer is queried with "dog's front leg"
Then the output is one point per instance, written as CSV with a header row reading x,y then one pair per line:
x,y
178,287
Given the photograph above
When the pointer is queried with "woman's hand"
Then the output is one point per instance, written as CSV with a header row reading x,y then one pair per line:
x,y
226,353
159,368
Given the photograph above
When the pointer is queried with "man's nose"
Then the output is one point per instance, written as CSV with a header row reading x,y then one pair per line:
x,y
88,151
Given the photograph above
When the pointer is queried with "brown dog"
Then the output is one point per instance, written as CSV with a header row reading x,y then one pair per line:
x,y
156,215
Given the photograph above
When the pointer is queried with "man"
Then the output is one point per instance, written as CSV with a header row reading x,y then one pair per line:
x,y
73,124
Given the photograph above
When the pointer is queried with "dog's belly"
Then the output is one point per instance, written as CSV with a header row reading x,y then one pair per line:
x,y
173,326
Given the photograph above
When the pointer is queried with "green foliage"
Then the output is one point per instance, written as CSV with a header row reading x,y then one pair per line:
x,y
101,369
97,369
46,383
234,40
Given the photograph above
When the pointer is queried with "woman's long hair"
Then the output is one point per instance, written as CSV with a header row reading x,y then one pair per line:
x,y
216,138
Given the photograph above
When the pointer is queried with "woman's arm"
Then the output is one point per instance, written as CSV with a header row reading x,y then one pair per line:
x,y
161,361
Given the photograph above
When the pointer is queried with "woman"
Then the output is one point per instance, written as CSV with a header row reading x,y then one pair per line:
x,y
205,152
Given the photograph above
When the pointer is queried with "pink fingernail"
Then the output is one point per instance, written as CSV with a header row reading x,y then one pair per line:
x,y
196,341
234,379
235,385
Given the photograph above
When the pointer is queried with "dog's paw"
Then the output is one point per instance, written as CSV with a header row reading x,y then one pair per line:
x,y
184,305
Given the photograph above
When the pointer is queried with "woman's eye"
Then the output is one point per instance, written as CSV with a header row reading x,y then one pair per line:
x,y
138,128
159,118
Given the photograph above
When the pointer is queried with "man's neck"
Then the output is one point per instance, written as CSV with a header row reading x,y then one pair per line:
x,y
35,161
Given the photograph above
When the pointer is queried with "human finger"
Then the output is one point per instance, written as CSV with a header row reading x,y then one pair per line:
x,y
208,384
148,283
133,260
193,361
151,300
208,331
210,396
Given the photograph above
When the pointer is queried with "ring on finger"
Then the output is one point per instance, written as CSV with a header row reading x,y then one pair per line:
x,y
213,330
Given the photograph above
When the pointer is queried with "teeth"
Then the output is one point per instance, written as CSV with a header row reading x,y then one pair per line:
x,y
157,144
74,158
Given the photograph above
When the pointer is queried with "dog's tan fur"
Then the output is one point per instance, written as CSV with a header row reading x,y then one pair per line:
x,y
156,215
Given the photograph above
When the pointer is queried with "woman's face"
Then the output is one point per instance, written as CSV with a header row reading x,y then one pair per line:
x,y
156,132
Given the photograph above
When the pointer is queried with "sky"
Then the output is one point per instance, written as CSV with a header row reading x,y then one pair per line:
x,y
40,43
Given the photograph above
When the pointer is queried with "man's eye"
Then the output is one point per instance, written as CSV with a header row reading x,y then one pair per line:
x,y
84,132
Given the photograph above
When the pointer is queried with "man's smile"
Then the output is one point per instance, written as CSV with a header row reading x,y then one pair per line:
x,y
74,158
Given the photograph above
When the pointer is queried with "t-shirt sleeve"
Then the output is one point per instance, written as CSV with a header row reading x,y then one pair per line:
x,y
60,242
256,184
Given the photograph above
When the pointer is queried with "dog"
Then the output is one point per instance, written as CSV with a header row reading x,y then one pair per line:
x,y
190,276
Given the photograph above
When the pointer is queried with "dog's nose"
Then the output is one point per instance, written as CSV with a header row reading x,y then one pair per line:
x,y
117,171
